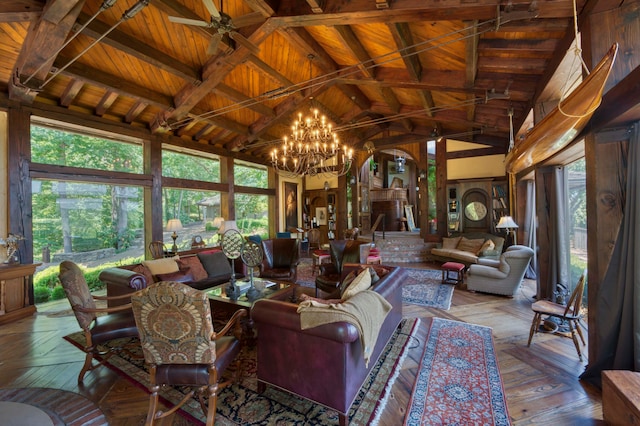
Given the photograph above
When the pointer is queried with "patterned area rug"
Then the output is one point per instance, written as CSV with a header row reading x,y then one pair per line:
x,y
458,382
62,407
423,286
304,275
242,404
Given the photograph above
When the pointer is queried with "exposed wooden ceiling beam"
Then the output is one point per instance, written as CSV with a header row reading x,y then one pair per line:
x,y
21,10
38,51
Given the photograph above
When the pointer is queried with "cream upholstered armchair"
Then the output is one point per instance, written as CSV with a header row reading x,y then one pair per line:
x,y
503,276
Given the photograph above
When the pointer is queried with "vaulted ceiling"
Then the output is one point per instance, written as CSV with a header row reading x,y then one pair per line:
x,y
392,72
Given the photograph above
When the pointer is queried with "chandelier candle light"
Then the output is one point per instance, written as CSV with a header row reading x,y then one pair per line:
x,y
308,151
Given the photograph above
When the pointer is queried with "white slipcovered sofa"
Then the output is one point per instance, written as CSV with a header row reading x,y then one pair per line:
x,y
468,248
502,276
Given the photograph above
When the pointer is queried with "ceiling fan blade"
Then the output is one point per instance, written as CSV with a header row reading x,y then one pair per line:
x,y
214,43
248,19
211,7
187,21
239,38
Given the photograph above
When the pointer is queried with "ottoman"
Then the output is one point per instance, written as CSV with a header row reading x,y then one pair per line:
x,y
452,273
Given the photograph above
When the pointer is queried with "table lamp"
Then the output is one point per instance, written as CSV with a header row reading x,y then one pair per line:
x,y
174,225
218,221
507,223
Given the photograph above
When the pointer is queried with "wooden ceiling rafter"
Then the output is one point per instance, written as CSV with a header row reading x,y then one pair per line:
x,y
35,59
365,65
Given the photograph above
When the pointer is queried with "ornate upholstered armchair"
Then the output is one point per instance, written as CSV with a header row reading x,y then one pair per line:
x,y
500,277
341,252
119,322
180,345
281,258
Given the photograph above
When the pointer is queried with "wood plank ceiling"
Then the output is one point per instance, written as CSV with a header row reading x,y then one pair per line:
x,y
390,72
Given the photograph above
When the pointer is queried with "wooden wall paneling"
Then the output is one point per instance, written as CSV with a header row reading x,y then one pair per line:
x,y
606,180
20,208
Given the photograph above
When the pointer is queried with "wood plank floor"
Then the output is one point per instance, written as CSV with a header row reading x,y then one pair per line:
x,y
541,382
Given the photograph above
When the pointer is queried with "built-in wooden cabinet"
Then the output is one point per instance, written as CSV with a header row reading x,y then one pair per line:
x,y
476,205
16,291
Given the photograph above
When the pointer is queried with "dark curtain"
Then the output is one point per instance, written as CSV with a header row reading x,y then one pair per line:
x,y
618,300
556,191
529,228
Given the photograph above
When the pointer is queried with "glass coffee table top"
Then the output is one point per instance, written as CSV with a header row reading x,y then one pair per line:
x,y
268,289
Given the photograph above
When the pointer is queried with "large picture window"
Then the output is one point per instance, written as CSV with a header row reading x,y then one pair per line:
x,y
196,211
186,166
86,222
50,145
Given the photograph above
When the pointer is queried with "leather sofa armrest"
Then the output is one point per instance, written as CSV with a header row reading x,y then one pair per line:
x,y
284,315
123,277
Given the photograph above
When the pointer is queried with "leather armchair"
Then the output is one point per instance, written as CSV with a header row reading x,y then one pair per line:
x,y
341,252
281,258
500,277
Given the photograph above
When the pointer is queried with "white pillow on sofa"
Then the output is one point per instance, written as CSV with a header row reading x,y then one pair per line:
x,y
166,265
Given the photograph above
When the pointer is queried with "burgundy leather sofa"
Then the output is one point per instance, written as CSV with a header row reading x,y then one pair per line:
x,y
324,364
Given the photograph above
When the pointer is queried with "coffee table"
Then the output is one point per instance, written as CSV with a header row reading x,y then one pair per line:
x,y
271,289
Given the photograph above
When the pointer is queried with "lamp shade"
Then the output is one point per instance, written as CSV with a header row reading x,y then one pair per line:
x,y
228,225
506,222
218,221
174,225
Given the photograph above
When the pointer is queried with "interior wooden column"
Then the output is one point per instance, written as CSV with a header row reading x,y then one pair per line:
x,y
20,207
441,194
153,195
227,203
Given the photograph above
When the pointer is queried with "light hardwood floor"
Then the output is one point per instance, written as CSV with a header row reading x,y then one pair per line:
x,y
541,382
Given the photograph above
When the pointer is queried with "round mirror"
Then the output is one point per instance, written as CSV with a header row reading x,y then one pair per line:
x,y
475,210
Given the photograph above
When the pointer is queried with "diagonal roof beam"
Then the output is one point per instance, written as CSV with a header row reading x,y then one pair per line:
x,y
43,38
404,42
351,40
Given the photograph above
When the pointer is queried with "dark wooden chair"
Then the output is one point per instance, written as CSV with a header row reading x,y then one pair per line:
x,y
119,322
157,249
569,314
192,355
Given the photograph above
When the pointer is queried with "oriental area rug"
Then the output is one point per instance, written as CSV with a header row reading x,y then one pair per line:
x,y
458,381
241,404
422,287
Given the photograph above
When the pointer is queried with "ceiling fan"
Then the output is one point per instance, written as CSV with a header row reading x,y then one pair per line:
x,y
223,25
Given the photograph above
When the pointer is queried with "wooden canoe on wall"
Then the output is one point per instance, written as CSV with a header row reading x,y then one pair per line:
x,y
563,124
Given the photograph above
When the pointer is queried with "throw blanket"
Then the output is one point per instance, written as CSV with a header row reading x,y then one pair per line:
x,y
365,310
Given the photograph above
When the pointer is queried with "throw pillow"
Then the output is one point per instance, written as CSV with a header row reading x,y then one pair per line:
x,y
162,266
472,246
182,276
216,264
488,245
197,270
143,270
450,243
348,280
360,283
